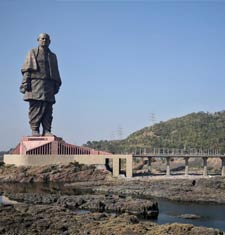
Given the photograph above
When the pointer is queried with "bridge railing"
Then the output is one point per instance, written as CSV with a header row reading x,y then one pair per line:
x,y
175,152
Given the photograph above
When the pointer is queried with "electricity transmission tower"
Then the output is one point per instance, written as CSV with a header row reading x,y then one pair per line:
x,y
152,118
120,132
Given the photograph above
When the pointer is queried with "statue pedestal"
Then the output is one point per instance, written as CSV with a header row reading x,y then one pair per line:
x,y
46,145
40,145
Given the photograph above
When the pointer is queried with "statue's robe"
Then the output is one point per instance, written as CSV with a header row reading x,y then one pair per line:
x,y
44,84
41,81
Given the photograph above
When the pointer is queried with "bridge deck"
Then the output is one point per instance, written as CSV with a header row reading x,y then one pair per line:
x,y
179,155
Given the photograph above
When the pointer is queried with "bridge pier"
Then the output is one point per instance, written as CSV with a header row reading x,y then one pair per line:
x,y
186,166
117,160
149,164
168,166
205,166
129,167
116,167
223,167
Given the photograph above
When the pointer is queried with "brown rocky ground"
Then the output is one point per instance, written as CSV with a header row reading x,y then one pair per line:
x,y
53,173
47,219
143,208
179,188
189,189
55,212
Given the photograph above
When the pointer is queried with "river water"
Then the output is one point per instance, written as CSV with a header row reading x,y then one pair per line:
x,y
211,215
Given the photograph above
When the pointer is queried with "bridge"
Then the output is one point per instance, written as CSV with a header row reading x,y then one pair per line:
x,y
169,154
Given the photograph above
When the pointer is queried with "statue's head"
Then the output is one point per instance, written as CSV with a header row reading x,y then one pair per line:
x,y
44,40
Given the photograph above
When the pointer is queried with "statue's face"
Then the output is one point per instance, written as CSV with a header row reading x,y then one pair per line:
x,y
44,40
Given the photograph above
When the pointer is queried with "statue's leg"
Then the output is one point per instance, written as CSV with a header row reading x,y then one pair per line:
x,y
47,118
35,115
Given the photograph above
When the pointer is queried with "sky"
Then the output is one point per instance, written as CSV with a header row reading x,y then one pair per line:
x,y
121,63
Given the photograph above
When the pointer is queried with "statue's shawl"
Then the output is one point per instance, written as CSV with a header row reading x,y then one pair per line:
x,y
30,64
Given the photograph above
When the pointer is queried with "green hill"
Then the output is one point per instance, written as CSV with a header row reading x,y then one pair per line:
x,y
196,130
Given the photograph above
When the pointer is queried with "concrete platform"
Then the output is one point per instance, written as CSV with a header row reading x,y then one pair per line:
x,y
42,160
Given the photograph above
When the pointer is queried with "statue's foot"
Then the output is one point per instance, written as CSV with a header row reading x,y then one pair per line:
x,y
47,133
35,133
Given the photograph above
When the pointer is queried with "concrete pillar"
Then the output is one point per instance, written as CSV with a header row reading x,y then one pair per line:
x,y
149,164
186,166
223,167
129,166
205,166
168,166
116,164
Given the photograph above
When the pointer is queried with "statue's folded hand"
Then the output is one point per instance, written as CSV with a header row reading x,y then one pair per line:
x,y
25,87
22,89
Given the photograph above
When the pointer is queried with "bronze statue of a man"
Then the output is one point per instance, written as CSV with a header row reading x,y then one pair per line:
x,y
41,81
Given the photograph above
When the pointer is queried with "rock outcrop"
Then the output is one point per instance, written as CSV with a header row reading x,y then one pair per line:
x,y
146,209
52,173
27,219
205,189
142,208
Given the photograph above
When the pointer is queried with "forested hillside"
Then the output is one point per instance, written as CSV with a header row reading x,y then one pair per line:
x,y
196,130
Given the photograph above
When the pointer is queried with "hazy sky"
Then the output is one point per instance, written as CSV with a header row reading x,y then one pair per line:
x,y
119,61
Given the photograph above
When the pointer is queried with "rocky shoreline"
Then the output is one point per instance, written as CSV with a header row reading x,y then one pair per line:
x,y
53,173
110,205
100,181
210,190
142,208
47,219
